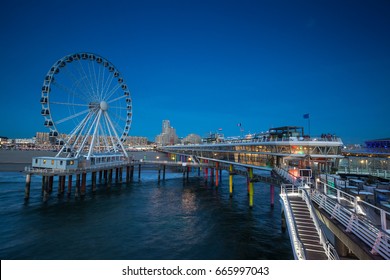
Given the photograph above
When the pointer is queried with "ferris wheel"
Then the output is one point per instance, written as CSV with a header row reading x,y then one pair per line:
x,y
86,106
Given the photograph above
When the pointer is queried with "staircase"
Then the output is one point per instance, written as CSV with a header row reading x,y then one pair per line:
x,y
307,231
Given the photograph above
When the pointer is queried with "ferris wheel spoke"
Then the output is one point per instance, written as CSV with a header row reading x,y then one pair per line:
x,y
70,92
92,74
106,86
78,81
120,143
86,80
111,92
72,116
70,104
116,99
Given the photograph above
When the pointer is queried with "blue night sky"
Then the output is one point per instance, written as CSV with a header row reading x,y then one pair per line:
x,y
206,65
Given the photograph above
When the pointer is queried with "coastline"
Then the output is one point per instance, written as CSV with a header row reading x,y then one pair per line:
x,y
17,160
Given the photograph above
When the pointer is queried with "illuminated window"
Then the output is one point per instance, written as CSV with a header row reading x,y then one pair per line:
x,y
52,162
44,161
71,162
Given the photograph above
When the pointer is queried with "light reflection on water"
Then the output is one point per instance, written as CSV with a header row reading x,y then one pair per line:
x,y
141,220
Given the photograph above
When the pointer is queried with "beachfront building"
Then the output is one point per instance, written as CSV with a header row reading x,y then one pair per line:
x,y
132,141
192,139
168,135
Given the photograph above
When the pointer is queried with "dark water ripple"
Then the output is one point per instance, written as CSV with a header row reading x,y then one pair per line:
x,y
141,220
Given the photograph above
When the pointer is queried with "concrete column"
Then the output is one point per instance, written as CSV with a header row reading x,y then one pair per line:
x,y
164,167
139,172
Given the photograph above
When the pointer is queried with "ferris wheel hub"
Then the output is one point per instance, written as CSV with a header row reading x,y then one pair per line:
x,y
103,106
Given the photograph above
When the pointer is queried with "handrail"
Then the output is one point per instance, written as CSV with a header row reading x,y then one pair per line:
x,y
297,242
329,248
377,239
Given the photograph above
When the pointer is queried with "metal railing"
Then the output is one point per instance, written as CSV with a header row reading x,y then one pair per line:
x,y
296,242
329,249
364,220
365,171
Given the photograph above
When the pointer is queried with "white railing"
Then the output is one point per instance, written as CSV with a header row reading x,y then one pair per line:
x,y
365,171
296,242
291,189
366,221
30,169
330,251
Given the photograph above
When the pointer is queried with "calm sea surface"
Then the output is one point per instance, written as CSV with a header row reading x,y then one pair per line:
x,y
141,220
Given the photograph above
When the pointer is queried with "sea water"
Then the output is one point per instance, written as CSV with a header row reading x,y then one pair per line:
x,y
143,219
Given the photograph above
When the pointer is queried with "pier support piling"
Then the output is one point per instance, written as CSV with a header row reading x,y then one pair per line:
x,y
27,188
272,192
83,183
231,180
69,185
127,173
93,175
217,174
251,189
77,192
